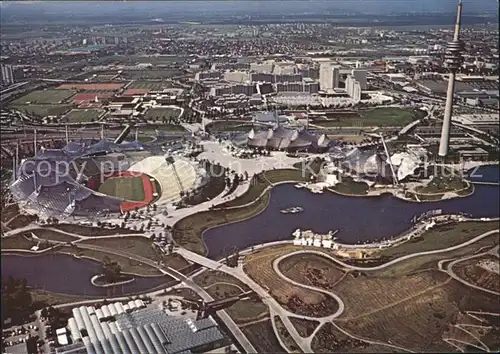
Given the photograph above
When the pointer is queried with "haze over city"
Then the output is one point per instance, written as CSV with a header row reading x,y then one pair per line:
x,y
249,176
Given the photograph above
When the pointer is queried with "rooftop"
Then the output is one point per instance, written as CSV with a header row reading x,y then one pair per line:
x,y
143,330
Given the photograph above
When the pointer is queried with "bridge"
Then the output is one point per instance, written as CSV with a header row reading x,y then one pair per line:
x,y
484,183
223,303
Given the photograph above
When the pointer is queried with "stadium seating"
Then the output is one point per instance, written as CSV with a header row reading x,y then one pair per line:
x,y
158,168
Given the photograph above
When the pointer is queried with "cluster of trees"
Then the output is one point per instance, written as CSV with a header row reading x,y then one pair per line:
x,y
17,303
112,270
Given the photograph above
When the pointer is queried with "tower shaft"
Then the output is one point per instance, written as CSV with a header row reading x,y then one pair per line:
x,y
448,111
453,59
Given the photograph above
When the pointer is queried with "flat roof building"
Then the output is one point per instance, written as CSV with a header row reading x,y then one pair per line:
x,y
144,331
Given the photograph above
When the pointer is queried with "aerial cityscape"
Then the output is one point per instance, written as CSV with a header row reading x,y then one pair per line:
x,y
250,176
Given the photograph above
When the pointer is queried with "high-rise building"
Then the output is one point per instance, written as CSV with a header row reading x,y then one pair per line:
x,y
360,76
7,74
329,76
353,88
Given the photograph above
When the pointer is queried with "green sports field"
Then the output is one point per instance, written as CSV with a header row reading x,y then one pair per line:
x,y
128,188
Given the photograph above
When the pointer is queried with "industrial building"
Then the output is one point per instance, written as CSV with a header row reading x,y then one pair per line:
x,y
477,119
132,328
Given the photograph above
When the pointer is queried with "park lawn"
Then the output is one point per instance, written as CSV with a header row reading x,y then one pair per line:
x,y
141,246
82,115
43,110
19,241
171,128
128,188
150,74
128,265
157,114
442,236
44,97
351,187
442,185
390,116
260,182
150,85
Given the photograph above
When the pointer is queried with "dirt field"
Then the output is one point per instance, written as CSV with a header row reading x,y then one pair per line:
x,y
483,276
420,324
311,269
262,337
45,97
476,329
374,294
83,115
128,188
259,266
304,327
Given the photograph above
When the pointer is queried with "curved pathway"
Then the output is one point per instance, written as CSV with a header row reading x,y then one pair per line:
x,y
310,287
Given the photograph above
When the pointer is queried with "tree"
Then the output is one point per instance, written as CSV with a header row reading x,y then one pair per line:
x,y
111,270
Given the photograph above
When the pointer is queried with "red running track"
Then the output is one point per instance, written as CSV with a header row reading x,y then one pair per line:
x,y
148,193
149,189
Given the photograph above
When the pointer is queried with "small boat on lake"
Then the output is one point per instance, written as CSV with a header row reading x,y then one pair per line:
x,y
292,210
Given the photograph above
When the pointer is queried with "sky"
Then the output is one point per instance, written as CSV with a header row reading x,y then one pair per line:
x,y
241,6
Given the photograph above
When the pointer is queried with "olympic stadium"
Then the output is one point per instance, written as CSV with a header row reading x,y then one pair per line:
x,y
103,178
